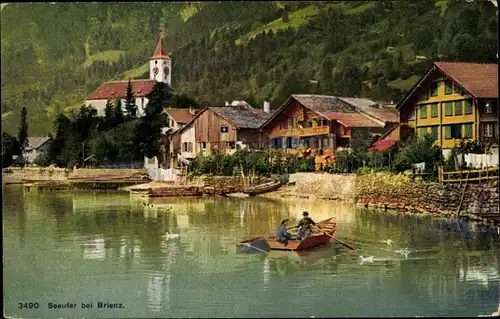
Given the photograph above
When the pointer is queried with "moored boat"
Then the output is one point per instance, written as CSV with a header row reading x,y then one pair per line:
x,y
320,237
262,188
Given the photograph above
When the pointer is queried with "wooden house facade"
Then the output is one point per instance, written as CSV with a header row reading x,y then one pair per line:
x,y
453,101
222,130
321,122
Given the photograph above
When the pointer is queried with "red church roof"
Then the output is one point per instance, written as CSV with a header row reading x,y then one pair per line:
x,y
160,51
117,89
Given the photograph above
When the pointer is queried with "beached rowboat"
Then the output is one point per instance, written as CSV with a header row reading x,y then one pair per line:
x,y
266,243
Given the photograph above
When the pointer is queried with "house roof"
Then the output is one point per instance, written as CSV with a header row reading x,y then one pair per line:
x,y
479,80
160,51
241,116
323,103
382,143
181,116
36,142
352,119
358,102
117,89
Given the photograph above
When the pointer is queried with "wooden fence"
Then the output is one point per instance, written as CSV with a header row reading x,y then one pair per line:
x,y
471,175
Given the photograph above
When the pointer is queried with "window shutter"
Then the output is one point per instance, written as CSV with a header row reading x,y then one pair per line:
x,y
447,132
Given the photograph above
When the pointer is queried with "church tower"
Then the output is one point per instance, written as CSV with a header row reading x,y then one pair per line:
x,y
160,64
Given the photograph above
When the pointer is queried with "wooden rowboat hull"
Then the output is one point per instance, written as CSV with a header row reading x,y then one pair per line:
x,y
263,188
315,240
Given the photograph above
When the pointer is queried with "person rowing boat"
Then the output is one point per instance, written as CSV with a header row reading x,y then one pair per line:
x,y
282,234
305,226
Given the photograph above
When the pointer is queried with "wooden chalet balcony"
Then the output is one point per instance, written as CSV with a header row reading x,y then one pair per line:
x,y
308,131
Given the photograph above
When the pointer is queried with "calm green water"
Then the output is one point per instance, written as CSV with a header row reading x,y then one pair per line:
x,y
95,247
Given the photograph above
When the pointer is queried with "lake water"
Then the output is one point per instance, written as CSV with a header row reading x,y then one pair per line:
x,y
91,247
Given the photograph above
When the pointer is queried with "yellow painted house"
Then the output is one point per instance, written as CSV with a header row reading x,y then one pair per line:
x,y
453,101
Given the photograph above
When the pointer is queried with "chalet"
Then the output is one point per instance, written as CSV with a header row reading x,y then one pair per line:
x,y
324,122
223,130
177,118
34,147
452,101
160,65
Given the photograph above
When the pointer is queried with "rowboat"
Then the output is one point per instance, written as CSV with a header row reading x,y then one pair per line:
x,y
262,188
318,238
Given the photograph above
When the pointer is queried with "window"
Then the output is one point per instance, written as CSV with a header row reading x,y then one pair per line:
x,y
468,107
184,147
488,130
487,108
204,145
190,147
422,132
456,88
453,131
423,111
156,62
448,109
290,122
224,129
468,130
448,87
165,77
434,110
434,132
434,89
231,145
458,108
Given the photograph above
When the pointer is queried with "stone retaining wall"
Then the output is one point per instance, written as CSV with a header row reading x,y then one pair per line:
x,y
398,192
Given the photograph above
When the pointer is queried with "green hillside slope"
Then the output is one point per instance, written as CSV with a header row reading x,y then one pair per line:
x,y
54,55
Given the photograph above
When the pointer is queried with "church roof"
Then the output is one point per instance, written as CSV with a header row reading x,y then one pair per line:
x,y
160,51
117,89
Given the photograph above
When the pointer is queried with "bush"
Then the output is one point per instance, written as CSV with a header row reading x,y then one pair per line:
x,y
42,160
418,150
258,162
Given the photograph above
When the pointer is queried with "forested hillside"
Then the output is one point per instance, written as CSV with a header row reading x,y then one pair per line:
x,y
54,55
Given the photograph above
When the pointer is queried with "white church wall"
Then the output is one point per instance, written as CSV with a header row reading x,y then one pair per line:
x,y
100,105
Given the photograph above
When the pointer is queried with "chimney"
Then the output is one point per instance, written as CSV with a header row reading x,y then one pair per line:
x,y
267,107
191,110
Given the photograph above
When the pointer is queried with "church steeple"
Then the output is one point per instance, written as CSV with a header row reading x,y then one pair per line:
x,y
160,51
160,63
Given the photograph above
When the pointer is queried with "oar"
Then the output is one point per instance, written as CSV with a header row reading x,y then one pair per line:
x,y
340,241
256,248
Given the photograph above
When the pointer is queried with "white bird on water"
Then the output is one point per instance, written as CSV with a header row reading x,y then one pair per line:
x,y
405,252
363,260
389,242
171,236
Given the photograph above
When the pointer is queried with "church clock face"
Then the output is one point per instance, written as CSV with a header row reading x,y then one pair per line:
x,y
166,70
155,70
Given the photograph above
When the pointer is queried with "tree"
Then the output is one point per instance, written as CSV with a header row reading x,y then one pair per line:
x,y
9,145
117,113
284,15
108,114
130,106
463,47
23,127
148,130
183,101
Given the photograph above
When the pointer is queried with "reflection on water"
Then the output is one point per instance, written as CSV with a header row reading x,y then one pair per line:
x,y
108,246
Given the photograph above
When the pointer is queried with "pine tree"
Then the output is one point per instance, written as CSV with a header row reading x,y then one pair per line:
x,y
118,113
130,106
148,130
108,113
23,127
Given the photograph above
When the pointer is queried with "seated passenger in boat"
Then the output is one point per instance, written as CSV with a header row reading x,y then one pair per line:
x,y
305,226
282,234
